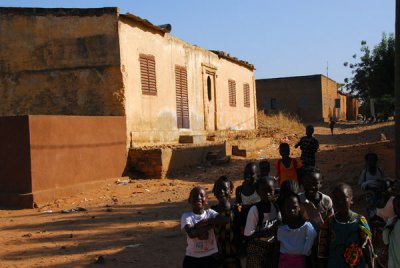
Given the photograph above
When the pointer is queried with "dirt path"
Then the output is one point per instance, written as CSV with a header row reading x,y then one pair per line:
x,y
137,224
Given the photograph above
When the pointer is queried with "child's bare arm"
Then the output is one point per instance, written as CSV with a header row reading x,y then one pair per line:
x,y
368,253
198,230
219,220
237,194
265,232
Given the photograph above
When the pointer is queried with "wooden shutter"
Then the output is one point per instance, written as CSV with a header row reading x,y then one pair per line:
x,y
182,98
246,94
232,93
148,74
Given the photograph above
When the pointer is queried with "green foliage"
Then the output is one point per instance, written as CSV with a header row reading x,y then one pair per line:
x,y
373,74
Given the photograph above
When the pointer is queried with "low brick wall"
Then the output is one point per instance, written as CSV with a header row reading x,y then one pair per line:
x,y
45,157
162,161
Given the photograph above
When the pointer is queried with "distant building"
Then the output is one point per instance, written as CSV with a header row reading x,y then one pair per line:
x,y
312,97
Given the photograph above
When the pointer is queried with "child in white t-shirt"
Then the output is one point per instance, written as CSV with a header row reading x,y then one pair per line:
x,y
198,225
372,177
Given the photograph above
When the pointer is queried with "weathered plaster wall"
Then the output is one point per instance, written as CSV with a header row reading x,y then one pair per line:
x,y
153,118
238,117
299,95
60,61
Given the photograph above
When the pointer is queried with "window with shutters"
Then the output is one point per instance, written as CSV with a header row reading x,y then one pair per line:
x,y
246,94
232,92
148,74
182,100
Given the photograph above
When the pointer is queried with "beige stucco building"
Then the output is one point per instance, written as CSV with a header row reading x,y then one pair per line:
x,y
100,62
312,98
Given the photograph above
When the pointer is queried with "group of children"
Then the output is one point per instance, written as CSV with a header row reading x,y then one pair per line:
x,y
274,224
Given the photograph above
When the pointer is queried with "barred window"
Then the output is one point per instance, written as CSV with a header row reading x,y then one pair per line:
x,y
246,95
148,74
232,92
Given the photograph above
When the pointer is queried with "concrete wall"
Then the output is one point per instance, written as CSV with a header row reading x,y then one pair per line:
x,y
296,95
163,162
60,61
153,118
45,157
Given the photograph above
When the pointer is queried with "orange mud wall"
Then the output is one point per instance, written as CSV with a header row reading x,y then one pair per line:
x,y
46,157
300,95
353,105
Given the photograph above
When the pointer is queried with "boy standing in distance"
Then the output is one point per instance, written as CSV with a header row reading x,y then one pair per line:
x,y
308,146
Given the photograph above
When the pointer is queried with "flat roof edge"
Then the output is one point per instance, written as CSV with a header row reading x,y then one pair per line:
x,y
59,12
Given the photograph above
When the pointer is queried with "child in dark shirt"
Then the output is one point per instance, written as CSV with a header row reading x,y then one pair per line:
x,y
345,238
261,227
308,146
228,235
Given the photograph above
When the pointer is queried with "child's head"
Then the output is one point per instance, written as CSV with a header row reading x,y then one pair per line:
x,y
291,207
265,168
371,160
250,172
342,197
265,188
198,198
289,186
284,149
312,180
396,205
309,130
223,189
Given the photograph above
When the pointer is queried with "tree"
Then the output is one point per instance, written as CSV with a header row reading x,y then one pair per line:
x,y
373,75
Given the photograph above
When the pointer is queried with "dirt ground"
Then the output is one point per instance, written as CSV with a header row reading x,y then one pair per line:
x,y
137,224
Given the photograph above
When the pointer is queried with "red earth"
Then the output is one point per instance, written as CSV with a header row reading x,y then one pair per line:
x,y
137,224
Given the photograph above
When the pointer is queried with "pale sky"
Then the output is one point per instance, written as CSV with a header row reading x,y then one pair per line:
x,y
280,37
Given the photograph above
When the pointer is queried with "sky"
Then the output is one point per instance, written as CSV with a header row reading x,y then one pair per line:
x,y
280,37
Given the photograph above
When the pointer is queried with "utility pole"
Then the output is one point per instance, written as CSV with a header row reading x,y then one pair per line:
x,y
397,88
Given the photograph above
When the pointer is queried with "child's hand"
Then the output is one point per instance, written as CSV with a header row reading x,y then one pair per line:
x,y
274,228
201,223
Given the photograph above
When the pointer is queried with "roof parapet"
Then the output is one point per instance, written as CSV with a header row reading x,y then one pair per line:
x,y
165,28
227,56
